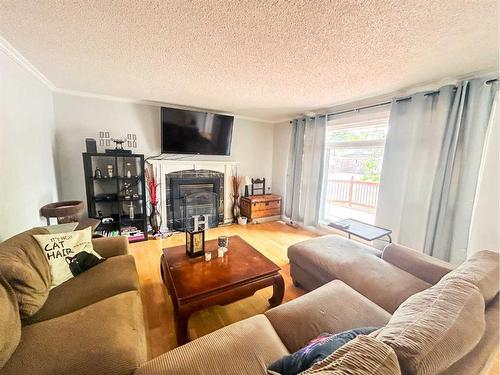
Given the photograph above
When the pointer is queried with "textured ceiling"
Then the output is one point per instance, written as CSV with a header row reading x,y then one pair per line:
x,y
265,59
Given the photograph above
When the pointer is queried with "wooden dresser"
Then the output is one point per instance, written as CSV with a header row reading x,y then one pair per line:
x,y
260,206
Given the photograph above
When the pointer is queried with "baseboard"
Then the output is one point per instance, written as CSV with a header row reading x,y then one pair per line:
x,y
265,219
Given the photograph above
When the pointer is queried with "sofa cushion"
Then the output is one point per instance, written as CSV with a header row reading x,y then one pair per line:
x,y
107,337
362,356
482,270
114,276
108,247
423,266
359,266
30,290
332,308
315,351
485,351
435,328
10,322
245,348
24,266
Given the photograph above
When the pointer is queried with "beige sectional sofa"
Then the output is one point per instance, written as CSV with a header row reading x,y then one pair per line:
x,y
91,324
450,327
433,319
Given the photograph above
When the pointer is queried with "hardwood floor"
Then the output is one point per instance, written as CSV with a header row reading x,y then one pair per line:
x,y
272,239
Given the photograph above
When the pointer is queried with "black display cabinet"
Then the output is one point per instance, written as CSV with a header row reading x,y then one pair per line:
x,y
116,194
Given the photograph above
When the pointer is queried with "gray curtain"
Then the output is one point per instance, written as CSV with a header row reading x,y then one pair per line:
x,y
431,164
305,170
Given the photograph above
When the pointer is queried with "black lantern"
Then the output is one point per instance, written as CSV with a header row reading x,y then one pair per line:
x,y
195,243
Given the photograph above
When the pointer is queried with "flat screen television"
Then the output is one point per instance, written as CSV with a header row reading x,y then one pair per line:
x,y
194,132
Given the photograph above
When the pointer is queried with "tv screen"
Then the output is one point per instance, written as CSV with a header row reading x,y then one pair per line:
x,y
194,132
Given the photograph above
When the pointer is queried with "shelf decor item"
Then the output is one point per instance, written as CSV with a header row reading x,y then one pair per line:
x,y
236,183
118,147
131,211
152,186
247,182
258,184
195,243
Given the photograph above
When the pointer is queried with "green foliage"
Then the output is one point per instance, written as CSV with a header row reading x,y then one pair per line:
x,y
371,172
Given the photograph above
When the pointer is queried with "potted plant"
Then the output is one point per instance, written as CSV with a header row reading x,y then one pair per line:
x,y
152,187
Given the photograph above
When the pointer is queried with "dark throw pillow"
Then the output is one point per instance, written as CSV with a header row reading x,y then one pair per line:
x,y
316,350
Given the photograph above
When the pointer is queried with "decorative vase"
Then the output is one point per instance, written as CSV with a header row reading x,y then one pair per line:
x,y
155,219
236,208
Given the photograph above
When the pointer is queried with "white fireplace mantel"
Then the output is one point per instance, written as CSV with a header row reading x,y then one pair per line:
x,y
162,167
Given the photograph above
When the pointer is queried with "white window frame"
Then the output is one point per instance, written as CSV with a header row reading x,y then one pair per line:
x,y
353,120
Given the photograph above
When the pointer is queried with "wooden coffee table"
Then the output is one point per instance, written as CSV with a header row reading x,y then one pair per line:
x,y
194,284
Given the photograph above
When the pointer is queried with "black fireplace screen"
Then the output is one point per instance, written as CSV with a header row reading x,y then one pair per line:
x,y
200,207
193,193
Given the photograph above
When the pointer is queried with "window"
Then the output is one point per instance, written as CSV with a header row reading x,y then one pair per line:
x,y
354,154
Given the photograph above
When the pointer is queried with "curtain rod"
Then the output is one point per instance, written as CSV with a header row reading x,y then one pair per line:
x,y
355,109
489,82
358,109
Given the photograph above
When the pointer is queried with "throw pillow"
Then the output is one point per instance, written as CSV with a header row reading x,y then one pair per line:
x,y
60,248
316,350
433,329
24,266
364,355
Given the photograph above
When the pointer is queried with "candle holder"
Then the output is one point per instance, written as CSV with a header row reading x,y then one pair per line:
x,y
195,243
223,241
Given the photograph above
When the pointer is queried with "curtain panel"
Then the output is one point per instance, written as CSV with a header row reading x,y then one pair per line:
x,y
306,160
431,165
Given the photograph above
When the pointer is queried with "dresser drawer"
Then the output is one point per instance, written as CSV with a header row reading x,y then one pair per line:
x,y
265,213
262,206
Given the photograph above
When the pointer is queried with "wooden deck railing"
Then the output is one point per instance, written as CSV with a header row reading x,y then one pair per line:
x,y
352,192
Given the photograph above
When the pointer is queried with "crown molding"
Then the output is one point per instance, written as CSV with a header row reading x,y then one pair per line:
x,y
15,55
154,103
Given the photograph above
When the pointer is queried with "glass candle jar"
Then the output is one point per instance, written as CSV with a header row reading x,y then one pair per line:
x,y
223,241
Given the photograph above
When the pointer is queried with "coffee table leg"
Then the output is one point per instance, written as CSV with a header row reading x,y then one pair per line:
x,y
278,291
181,326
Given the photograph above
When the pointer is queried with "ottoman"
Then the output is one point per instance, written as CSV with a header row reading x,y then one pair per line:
x,y
317,261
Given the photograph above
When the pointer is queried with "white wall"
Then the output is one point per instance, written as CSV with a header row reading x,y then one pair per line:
x,y
26,148
484,233
80,117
